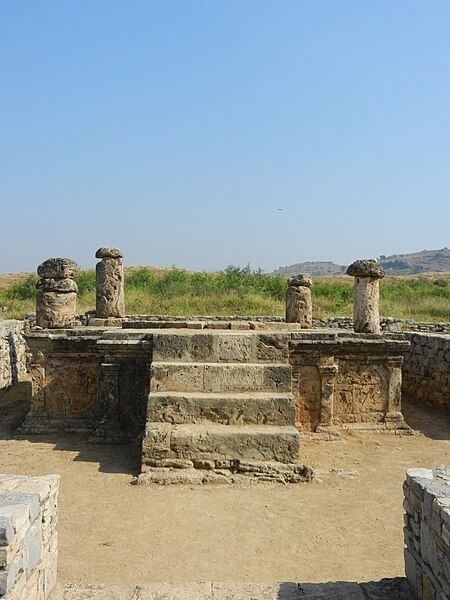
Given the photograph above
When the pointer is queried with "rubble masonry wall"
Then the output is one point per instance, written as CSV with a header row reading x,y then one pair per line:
x,y
427,532
28,536
426,372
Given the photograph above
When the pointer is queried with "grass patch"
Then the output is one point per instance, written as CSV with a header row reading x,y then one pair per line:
x,y
240,291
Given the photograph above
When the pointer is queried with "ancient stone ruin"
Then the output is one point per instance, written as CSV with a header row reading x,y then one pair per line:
x,y
56,297
110,299
209,397
298,301
367,273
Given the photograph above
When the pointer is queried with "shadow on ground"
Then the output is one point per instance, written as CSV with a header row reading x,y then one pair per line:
x,y
15,402
386,589
427,419
125,458
14,405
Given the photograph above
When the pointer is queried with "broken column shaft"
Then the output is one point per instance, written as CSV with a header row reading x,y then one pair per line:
x,y
366,295
298,301
56,299
110,300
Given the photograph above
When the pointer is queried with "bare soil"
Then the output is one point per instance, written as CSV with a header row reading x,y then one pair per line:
x,y
347,525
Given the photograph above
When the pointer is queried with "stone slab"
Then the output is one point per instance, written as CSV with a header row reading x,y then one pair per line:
x,y
217,377
251,442
250,408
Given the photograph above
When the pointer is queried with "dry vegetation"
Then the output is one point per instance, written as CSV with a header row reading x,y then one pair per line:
x,y
238,291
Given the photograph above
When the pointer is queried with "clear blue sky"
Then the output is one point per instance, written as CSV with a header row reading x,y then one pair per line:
x,y
176,129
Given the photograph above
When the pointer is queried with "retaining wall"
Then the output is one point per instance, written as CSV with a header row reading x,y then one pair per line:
x,y
427,532
426,368
388,324
28,536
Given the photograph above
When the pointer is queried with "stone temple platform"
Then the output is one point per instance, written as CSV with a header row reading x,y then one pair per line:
x,y
214,401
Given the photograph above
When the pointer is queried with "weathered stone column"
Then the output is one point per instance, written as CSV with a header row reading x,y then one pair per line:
x,y
56,299
298,301
366,295
110,300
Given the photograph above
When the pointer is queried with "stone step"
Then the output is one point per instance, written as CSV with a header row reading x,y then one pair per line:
x,y
218,377
220,347
220,442
251,408
386,589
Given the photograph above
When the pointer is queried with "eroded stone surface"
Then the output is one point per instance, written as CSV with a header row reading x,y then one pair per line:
x,y
60,286
58,268
366,301
302,279
299,306
55,310
110,297
366,295
56,296
109,252
368,267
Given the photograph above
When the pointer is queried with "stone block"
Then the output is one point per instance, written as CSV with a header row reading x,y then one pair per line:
x,y
234,348
6,531
10,574
210,442
58,268
226,408
156,442
17,514
272,347
31,500
33,547
188,377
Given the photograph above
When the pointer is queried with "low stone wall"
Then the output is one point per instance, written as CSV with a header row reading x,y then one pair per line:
x,y
387,324
427,532
13,351
28,536
426,368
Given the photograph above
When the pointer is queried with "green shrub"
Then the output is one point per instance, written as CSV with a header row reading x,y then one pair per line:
x,y
85,281
22,290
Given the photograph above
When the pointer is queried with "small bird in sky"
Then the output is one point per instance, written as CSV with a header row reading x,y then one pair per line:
x,y
280,209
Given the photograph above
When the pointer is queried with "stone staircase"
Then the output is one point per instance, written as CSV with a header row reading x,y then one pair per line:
x,y
219,402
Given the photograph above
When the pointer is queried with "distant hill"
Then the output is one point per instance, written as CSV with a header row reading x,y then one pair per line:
x,y
426,261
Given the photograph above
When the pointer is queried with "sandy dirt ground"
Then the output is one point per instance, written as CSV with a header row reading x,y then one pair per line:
x,y
347,525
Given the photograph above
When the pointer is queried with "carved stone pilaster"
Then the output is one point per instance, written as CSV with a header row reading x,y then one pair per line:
x,y
37,367
328,373
109,429
394,390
